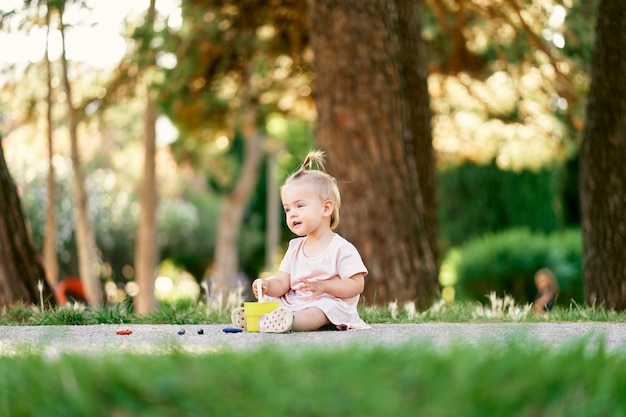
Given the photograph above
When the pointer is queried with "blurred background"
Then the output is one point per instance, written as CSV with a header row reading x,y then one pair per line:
x,y
507,82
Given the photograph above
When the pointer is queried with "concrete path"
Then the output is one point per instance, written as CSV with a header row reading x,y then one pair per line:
x,y
164,338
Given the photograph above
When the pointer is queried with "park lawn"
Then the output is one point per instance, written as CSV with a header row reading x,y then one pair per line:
x,y
520,378
187,311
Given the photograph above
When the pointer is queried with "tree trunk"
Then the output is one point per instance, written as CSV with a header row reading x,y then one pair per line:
x,y
21,270
374,123
231,215
50,260
85,239
146,249
603,165
273,208
146,245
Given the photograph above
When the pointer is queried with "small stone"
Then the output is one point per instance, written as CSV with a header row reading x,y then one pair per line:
x,y
181,332
200,331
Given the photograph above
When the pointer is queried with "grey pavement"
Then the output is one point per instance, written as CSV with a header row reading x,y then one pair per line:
x,y
147,338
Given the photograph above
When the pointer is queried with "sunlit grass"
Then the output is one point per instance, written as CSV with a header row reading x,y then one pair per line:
x,y
520,377
73,314
183,311
188,311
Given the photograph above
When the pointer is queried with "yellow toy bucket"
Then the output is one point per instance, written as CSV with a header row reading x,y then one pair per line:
x,y
253,310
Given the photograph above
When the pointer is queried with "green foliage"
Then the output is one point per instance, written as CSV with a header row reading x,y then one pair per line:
x,y
222,42
228,54
508,82
506,263
474,199
186,222
110,206
186,218
520,377
187,230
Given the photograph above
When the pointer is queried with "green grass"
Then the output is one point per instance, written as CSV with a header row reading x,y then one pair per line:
x,y
186,311
521,378
183,311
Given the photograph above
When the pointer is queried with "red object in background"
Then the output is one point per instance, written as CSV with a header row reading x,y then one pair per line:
x,y
70,289
124,331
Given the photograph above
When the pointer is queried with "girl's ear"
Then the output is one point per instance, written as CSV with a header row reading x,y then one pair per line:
x,y
328,206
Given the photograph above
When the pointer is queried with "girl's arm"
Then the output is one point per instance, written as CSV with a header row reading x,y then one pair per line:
x,y
275,286
340,288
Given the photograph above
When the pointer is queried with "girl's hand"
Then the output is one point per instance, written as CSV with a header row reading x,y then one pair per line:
x,y
314,287
264,287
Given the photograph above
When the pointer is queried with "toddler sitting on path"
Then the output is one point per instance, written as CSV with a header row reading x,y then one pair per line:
x,y
322,275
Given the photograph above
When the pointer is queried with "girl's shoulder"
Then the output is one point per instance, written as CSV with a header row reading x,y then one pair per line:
x,y
297,242
341,241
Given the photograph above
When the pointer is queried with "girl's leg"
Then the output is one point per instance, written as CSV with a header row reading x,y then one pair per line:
x,y
311,318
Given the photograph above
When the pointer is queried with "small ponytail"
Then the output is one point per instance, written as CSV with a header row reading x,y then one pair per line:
x,y
313,157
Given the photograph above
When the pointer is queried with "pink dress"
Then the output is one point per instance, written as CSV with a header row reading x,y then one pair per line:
x,y
340,260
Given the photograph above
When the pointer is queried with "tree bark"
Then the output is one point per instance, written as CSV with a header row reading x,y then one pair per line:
x,y
146,245
88,263
232,211
273,208
603,165
21,270
374,123
51,262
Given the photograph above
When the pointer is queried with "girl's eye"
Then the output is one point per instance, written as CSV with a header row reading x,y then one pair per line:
x,y
300,205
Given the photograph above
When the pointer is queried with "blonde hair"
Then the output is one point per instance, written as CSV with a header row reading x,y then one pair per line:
x,y
324,184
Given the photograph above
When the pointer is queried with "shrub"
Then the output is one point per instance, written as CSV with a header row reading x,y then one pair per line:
x,y
506,263
475,199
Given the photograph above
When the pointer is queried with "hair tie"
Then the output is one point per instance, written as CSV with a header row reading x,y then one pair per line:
x,y
302,168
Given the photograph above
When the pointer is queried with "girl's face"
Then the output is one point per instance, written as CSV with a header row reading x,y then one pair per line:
x,y
306,213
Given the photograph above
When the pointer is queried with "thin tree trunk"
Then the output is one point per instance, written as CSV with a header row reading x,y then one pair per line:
x,y
146,245
88,264
231,216
374,123
51,262
146,249
603,165
273,209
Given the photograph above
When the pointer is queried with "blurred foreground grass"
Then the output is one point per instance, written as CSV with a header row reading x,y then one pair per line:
x,y
521,378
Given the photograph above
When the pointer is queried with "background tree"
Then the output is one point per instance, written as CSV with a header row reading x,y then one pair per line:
x,y
507,82
235,62
21,270
374,122
88,258
603,167
146,244
50,258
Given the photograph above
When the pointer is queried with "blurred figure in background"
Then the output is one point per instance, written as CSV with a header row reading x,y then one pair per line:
x,y
547,287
